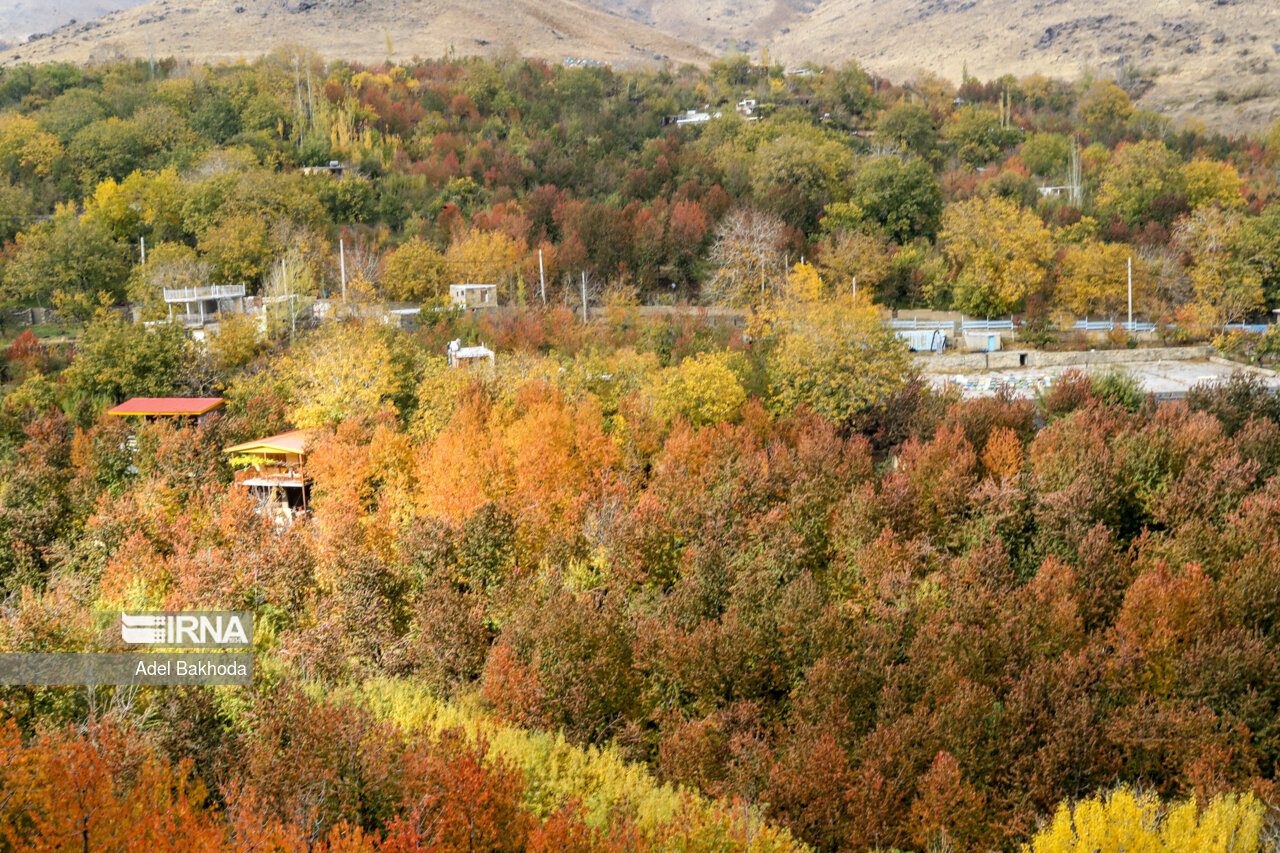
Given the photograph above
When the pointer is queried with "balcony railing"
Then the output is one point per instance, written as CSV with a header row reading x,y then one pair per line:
x,y
199,294
271,475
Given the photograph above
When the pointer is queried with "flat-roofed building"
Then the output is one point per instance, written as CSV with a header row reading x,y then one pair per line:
x,y
200,305
473,295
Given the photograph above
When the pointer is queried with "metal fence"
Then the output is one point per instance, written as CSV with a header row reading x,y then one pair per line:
x,y
1107,325
921,325
987,325
1086,325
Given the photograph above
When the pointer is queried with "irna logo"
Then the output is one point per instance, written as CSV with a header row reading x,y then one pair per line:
x,y
227,628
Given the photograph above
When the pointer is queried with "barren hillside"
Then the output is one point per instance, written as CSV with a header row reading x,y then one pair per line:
x,y
227,30
1218,60
21,18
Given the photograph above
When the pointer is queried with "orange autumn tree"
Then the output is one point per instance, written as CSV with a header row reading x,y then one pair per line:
x,y
100,790
541,456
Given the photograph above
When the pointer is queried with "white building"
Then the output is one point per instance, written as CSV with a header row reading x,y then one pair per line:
x,y
469,358
473,295
199,305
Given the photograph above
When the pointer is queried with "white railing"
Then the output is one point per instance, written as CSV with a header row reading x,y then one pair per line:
x,y
987,325
912,324
199,294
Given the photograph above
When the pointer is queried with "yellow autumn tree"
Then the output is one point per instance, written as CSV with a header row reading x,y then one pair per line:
x,y
1123,821
416,272
342,370
705,389
1225,288
1213,182
837,358
1094,280
849,255
1002,251
25,148
803,284
143,200
486,257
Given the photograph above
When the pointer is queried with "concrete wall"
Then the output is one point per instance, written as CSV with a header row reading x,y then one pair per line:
x,y
1011,359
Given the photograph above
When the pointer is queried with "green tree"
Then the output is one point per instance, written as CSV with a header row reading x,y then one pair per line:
x,y
1104,111
169,265
978,135
904,199
1138,175
69,254
1046,153
1258,247
239,250
16,202
910,128
116,359
850,86
795,176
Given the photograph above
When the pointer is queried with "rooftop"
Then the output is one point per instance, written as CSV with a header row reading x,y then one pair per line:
x,y
293,441
167,406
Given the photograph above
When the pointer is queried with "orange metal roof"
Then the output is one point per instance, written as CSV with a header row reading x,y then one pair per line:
x,y
171,406
293,441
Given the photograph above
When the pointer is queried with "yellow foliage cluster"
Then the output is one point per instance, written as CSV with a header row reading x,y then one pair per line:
x,y
1226,289
705,389
349,370
1003,252
416,272
1213,182
25,147
837,358
488,257
1124,821
556,771
153,199
1092,280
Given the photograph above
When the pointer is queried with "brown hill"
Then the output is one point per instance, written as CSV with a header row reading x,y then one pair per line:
x,y
228,30
21,18
1218,60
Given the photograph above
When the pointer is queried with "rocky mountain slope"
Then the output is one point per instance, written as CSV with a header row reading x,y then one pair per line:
x,y
22,18
227,30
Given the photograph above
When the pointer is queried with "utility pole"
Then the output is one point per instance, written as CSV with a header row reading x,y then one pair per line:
x,y
542,280
584,296
855,290
342,267
1130,293
142,243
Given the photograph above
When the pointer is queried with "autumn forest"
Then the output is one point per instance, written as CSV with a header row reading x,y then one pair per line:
x,y
699,561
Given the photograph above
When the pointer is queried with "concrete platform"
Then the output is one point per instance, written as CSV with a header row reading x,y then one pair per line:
x,y
1166,379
